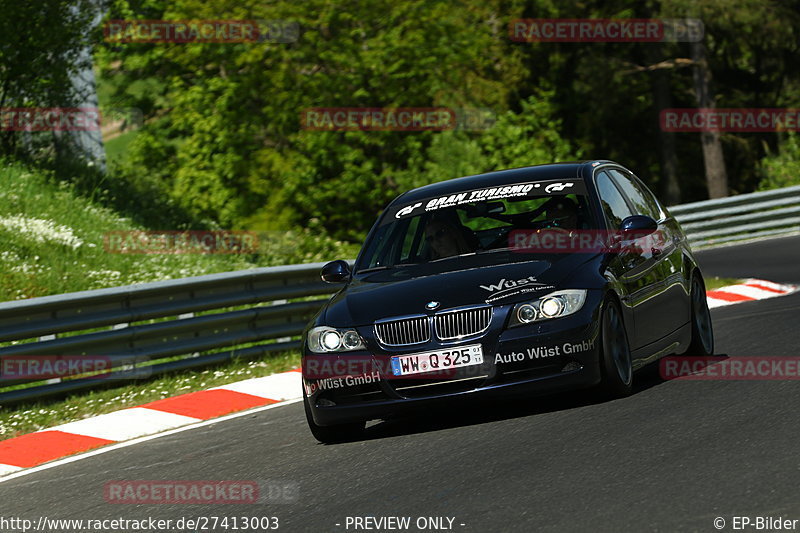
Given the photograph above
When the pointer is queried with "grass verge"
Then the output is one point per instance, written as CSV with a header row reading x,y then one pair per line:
x,y
28,417
716,282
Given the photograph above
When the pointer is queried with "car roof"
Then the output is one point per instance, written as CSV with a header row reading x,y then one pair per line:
x,y
550,171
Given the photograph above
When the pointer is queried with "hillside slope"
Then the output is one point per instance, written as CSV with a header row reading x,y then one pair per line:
x,y
52,241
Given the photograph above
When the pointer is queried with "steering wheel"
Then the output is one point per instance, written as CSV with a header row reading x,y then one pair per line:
x,y
501,241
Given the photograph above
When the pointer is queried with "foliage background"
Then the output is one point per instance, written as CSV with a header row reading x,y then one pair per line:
x,y
221,146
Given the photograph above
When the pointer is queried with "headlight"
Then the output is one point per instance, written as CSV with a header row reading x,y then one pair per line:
x,y
550,307
553,305
324,339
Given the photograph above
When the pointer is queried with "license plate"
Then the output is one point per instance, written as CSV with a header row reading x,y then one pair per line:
x,y
419,363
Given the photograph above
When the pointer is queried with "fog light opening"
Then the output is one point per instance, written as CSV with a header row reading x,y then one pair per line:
x,y
526,313
351,340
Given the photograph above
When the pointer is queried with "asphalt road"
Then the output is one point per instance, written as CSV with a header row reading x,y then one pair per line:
x,y
672,457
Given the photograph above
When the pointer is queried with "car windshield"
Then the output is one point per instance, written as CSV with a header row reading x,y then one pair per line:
x,y
441,229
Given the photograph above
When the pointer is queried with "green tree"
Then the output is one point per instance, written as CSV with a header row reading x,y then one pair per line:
x,y
225,121
40,46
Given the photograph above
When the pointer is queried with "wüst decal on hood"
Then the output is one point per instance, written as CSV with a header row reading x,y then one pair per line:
x,y
506,288
539,188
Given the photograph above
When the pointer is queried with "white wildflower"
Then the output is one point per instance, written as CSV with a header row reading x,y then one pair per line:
x,y
25,268
105,278
41,230
10,256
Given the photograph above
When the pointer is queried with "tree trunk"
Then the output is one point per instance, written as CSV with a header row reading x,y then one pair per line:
x,y
670,187
716,175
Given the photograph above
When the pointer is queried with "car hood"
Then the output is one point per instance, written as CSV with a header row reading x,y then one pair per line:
x,y
406,291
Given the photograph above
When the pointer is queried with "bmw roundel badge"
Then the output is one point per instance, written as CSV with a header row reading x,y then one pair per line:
x,y
431,305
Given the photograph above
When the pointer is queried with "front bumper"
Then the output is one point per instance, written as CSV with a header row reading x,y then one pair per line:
x,y
549,356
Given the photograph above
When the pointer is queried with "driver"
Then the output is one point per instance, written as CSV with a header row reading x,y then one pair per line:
x,y
446,239
563,214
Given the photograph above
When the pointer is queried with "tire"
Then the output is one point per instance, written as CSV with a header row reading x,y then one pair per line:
x,y
333,434
702,343
615,365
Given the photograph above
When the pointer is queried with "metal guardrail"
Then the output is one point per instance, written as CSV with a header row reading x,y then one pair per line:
x,y
134,327
745,216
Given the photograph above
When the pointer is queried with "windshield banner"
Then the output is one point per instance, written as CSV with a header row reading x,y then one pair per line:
x,y
501,192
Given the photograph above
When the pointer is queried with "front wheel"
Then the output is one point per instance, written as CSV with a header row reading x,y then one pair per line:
x,y
615,365
702,343
332,434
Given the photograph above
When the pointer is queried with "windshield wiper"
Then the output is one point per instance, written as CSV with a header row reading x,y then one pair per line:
x,y
493,250
374,269
452,257
384,267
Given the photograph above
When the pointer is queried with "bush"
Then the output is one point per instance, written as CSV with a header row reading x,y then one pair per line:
x,y
782,169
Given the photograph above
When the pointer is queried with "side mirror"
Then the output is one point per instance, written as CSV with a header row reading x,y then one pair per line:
x,y
335,272
637,226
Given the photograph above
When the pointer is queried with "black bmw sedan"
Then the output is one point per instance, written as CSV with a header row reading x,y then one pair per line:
x,y
530,280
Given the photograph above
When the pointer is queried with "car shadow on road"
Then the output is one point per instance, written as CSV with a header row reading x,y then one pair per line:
x,y
495,410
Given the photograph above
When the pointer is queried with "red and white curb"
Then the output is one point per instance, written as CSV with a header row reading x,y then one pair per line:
x,y
43,446
751,289
34,449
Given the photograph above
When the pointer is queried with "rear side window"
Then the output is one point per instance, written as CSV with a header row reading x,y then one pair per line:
x,y
642,199
614,206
